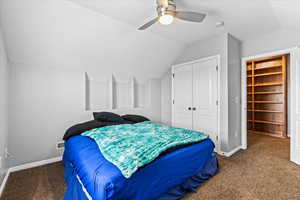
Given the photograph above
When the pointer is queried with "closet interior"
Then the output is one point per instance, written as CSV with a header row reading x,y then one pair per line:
x,y
267,96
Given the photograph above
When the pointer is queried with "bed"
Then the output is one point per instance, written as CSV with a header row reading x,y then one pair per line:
x,y
173,174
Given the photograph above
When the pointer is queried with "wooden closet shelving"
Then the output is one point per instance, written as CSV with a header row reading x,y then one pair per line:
x,y
266,102
266,122
267,111
266,74
269,67
272,92
267,96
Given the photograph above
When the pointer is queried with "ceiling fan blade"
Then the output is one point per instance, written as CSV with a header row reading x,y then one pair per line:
x,y
147,25
190,16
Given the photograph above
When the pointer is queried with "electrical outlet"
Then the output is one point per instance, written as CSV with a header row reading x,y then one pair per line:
x,y
6,153
60,145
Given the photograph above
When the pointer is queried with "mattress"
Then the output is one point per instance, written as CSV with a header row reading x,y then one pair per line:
x,y
103,181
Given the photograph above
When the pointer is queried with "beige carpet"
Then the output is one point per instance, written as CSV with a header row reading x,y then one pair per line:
x,y
263,172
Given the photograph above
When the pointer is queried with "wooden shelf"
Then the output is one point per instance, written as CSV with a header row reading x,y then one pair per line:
x,y
261,68
262,93
266,111
266,122
269,67
266,74
268,102
266,59
266,84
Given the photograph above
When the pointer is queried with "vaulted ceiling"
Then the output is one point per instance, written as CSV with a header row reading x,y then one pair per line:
x,y
243,18
93,33
62,34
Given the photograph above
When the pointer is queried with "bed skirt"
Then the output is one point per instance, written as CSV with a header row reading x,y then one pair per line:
x,y
76,191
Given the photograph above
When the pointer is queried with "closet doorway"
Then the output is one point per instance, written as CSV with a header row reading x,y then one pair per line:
x,y
270,97
267,92
195,94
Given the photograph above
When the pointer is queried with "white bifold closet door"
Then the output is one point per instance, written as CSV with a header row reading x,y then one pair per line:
x,y
205,96
183,97
195,93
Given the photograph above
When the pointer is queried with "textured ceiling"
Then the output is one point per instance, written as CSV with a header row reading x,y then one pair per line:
x,y
243,18
287,13
62,34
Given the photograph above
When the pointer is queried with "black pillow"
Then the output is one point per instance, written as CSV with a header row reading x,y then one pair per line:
x,y
80,128
107,117
86,126
135,118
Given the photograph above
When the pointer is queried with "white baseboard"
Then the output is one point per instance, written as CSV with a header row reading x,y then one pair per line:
x,y
230,153
296,162
27,166
2,186
35,164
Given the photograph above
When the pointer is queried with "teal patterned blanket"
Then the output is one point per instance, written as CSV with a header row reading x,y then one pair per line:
x,y
131,146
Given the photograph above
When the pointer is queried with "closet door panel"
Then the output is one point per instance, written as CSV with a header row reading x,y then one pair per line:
x,y
183,88
205,96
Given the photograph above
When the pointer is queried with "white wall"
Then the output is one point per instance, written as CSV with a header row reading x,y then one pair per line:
x,y
166,98
277,40
51,44
234,93
44,102
204,48
3,106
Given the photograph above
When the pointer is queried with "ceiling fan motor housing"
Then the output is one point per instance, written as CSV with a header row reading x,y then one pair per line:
x,y
169,10
166,10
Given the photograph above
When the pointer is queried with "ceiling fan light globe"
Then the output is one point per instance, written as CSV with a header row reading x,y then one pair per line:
x,y
166,19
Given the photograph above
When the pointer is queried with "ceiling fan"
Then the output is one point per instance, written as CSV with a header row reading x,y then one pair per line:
x,y
166,10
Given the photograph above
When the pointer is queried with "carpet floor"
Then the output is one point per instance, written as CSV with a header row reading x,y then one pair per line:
x,y
262,172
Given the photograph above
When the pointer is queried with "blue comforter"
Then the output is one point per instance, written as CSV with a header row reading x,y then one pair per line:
x,y
104,181
132,146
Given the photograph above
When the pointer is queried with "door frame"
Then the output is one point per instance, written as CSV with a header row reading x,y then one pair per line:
x,y
291,94
218,58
